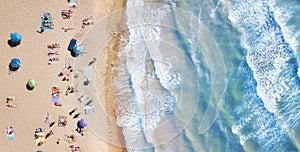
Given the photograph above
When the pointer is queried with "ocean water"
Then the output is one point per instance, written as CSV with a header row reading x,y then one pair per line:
x,y
210,75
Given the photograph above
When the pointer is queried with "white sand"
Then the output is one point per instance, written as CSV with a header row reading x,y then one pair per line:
x,y
24,17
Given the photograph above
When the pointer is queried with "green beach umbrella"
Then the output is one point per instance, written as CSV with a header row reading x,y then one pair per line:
x,y
31,83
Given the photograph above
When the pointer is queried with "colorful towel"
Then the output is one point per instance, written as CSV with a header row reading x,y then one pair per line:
x,y
10,136
47,21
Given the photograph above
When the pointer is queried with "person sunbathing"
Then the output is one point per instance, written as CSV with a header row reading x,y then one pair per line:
x,y
70,139
66,14
87,21
52,46
47,119
66,77
50,61
52,53
69,90
9,102
66,29
49,25
10,130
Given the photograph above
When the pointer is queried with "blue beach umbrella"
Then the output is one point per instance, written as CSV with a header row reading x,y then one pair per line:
x,y
15,37
15,63
77,49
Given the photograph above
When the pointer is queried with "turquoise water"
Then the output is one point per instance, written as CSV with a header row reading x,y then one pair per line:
x,y
211,75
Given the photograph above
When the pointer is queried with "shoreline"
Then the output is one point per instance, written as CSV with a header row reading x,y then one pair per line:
x,y
111,52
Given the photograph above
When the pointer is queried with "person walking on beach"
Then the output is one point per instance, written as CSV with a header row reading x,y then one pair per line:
x,y
93,61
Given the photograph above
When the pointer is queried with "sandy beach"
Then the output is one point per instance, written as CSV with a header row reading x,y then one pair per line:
x,y
32,106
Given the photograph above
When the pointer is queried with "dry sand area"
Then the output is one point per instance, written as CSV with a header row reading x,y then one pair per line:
x,y
24,17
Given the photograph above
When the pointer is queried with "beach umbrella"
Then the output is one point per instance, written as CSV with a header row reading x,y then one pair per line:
x,y
15,37
15,63
77,49
31,83
82,123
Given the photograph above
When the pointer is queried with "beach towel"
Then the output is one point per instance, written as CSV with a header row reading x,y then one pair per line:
x,y
55,94
88,109
62,121
48,20
55,99
72,3
53,50
47,119
10,136
77,133
69,63
40,141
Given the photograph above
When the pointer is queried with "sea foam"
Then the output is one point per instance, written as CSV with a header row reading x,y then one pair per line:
x,y
274,66
142,79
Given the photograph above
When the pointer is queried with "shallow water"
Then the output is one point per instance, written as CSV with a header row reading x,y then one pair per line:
x,y
210,75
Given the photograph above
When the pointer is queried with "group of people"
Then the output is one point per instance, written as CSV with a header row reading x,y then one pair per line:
x,y
87,21
66,14
65,74
46,23
53,53
9,102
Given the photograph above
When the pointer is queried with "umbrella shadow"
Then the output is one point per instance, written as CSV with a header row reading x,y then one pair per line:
x,y
28,87
73,54
11,43
12,69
